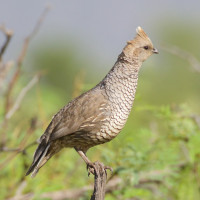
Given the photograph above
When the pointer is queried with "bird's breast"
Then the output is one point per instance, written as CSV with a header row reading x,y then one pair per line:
x,y
121,96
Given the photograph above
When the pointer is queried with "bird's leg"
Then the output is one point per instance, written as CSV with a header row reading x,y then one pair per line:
x,y
90,166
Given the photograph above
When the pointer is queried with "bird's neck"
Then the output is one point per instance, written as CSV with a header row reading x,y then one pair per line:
x,y
121,82
120,87
127,68
124,71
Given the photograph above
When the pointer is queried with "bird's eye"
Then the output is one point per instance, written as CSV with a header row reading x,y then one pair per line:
x,y
146,47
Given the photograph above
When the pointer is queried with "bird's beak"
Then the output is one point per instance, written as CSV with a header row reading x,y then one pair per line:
x,y
155,51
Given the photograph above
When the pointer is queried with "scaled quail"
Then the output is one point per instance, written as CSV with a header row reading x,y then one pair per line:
x,y
98,115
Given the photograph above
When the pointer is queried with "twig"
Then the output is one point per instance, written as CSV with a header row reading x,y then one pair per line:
x,y
71,193
77,193
16,151
32,34
4,69
20,188
185,151
22,148
19,149
196,118
8,34
20,97
67,194
175,50
3,124
114,183
6,149
28,196
21,58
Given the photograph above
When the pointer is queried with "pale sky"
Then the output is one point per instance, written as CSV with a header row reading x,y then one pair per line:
x,y
103,26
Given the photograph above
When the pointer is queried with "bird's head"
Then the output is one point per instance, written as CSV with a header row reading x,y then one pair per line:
x,y
140,47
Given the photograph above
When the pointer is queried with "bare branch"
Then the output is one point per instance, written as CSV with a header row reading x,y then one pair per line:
x,y
100,177
175,50
67,194
71,193
196,118
15,151
114,183
21,96
8,34
4,69
22,146
16,106
6,149
18,150
32,34
22,56
9,111
28,196
20,188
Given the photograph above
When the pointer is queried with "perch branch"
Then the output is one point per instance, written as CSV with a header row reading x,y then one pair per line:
x,y
100,177
114,183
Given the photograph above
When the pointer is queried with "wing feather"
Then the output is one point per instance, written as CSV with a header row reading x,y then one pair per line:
x,y
78,115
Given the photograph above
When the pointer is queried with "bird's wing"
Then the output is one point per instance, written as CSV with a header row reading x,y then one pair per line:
x,y
78,115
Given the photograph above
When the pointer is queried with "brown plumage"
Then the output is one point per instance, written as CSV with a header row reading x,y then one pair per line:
x,y
98,115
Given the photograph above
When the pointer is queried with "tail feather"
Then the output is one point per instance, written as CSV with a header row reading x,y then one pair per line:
x,y
39,159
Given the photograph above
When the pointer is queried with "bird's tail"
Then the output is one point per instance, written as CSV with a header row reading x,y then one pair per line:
x,y
39,159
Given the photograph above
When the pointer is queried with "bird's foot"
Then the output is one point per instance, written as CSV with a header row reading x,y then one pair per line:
x,y
109,168
91,168
94,168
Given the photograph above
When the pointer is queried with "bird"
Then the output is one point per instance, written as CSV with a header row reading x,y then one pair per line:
x,y
98,115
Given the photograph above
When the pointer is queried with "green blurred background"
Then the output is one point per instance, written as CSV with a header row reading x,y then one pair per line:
x,y
156,156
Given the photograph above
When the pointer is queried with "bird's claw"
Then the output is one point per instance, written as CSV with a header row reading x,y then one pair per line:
x,y
109,168
91,168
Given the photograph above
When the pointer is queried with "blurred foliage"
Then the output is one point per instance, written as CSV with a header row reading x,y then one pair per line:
x,y
157,153
162,161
